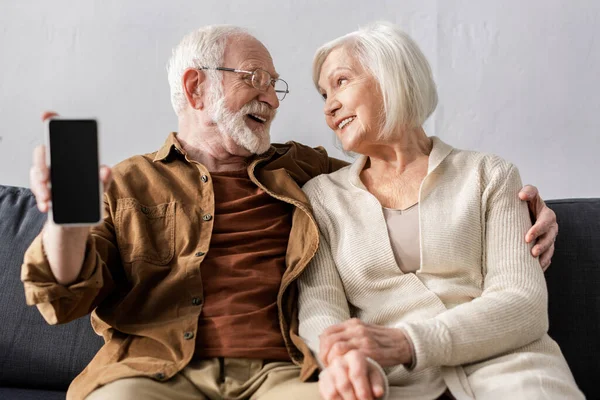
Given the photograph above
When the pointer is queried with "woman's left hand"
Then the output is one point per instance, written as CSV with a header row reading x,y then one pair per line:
x,y
545,228
387,346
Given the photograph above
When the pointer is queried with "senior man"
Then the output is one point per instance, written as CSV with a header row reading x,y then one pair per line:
x,y
190,277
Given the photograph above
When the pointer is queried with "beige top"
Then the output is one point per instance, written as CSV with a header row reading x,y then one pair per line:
x,y
476,311
403,229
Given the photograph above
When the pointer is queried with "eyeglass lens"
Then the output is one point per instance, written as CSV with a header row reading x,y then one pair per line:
x,y
261,80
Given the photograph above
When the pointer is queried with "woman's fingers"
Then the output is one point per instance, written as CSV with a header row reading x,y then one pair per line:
x,y
327,341
337,350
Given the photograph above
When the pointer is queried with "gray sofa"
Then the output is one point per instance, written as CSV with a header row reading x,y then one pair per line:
x,y
38,361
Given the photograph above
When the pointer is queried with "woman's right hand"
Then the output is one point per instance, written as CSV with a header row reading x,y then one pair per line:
x,y
39,174
352,377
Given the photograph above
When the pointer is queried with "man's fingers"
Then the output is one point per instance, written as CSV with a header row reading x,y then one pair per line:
x,y
528,192
546,258
105,177
327,387
39,157
38,179
48,114
539,229
544,242
531,234
545,222
377,383
358,374
39,176
342,383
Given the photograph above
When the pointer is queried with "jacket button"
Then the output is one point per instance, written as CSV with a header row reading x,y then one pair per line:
x,y
188,335
160,376
207,217
196,301
204,178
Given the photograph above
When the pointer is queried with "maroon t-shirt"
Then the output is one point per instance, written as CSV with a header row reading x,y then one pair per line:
x,y
242,272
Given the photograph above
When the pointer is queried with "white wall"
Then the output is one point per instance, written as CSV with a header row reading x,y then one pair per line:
x,y
516,78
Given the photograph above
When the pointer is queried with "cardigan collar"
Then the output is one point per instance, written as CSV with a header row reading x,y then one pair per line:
x,y
439,152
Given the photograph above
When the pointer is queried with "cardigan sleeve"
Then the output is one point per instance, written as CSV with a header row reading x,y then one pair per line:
x,y
512,309
322,300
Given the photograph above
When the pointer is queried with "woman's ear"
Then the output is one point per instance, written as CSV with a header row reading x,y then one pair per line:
x,y
193,81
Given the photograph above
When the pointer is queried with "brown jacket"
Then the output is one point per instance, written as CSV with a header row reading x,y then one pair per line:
x,y
141,272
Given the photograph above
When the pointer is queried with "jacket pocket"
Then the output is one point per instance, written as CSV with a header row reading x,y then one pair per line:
x,y
145,233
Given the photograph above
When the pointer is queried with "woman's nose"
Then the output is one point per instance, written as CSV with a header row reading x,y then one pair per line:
x,y
331,106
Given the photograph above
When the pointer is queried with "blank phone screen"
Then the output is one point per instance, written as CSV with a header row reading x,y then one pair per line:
x,y
74,171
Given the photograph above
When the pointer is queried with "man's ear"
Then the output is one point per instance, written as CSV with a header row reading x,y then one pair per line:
x,y
194,87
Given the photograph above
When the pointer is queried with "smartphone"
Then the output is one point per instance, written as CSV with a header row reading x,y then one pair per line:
x,y
73,157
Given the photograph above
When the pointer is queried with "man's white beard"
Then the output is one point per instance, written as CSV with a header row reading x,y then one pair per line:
x,y
233,124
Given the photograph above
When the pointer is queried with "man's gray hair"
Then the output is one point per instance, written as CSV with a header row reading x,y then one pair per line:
x,y
203,47
398,65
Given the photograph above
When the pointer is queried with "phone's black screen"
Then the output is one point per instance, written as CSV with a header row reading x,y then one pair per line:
x,y
74,171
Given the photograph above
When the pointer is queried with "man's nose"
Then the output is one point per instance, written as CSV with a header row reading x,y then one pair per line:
x,y
270,97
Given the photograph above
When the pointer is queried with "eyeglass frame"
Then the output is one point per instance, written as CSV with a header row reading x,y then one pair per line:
x,y
251,73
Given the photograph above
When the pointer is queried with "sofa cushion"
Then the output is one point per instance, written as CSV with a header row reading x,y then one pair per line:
x,y
30,394
33,354
574,289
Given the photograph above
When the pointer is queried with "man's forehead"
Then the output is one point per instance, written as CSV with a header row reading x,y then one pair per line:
x,y
250,65
249,54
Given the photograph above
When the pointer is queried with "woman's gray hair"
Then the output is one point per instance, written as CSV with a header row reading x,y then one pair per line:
x,y
398,65
203,47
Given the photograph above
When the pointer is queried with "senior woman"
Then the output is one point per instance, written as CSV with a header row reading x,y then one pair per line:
x,y
422,269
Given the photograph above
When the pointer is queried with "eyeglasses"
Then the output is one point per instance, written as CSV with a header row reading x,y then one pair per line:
x,y
260,79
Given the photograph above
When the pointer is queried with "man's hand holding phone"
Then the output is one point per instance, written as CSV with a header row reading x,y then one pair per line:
x,y
64,245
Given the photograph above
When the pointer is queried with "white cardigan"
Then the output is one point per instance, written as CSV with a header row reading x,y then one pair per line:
x,y
475,311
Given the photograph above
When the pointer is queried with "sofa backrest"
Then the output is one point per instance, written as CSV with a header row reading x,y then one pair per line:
x,y
574,289
33,354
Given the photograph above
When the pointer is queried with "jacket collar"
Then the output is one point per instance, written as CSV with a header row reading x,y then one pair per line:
x,y
171,145
439,152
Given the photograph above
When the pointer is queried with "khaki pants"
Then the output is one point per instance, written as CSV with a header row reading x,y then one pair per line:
x,y
216,379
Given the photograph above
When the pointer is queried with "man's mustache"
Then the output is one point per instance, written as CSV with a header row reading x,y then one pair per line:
x,y
256,107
